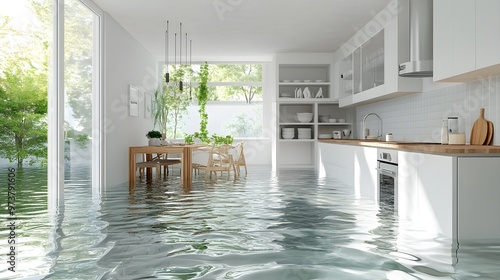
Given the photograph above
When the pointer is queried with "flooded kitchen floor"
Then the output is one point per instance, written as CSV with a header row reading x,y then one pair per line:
x,y
286,225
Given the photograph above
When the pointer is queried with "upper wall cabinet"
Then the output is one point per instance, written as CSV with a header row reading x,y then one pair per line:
x,y
367,65
466,39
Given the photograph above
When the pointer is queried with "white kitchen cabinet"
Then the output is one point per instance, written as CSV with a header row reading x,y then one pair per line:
x,y
478,198
368,63
425,191
487,33
466,39
337,161
353,165
456,196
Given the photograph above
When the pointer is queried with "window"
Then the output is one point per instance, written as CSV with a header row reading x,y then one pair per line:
x,y
234,103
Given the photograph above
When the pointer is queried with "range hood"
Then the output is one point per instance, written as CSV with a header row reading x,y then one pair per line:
x,y
420,64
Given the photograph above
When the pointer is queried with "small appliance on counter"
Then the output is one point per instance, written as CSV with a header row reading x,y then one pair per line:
x,y
337,134
388,137
456,138
452,124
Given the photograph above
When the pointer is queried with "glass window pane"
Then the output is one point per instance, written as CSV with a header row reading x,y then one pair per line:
x,y
243,93
25,36
78,43
235,72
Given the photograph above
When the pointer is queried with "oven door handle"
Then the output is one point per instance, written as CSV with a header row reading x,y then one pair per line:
x,y
386,172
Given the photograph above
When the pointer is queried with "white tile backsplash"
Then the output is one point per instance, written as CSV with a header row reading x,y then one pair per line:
x,y
418,116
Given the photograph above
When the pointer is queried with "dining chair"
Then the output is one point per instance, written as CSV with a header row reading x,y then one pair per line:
x,y
167,160
148,164
219,160
239,158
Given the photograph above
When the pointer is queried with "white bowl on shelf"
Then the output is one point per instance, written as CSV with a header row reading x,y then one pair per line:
x,y
332,120
323,118
341,120
304,117
287,135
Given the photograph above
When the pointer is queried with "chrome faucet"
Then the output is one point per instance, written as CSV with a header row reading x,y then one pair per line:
x,y
380,132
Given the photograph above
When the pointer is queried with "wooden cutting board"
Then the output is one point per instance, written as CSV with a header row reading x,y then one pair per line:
x,y
479,133
489,140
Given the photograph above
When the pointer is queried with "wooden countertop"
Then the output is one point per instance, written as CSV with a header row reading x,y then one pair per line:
x,y
418,147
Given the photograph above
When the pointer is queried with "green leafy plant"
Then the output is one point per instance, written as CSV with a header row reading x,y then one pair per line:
x,y
202,97
218,140
153,134
23,114
202,102
170,104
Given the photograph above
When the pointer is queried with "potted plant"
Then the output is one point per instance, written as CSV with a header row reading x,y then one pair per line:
x,y
154,137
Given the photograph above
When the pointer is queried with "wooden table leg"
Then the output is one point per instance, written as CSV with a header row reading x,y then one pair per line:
x,y
131,170
187,171
149,171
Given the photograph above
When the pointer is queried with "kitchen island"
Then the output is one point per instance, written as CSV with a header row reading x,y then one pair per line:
x,y
451,190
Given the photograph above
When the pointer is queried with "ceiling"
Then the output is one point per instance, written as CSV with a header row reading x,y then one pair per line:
x,y
223,30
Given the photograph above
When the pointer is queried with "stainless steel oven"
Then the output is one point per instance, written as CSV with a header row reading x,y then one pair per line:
x,y
387,185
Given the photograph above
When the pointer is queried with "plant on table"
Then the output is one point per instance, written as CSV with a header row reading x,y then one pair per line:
x,y
153,134
154,137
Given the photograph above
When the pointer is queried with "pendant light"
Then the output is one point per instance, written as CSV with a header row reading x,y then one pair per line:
x,y
167,42
167,75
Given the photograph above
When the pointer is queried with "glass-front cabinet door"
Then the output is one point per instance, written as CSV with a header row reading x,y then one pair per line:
x,y
364,68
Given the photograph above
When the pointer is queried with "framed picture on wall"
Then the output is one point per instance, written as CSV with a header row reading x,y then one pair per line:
x,y
148,101
133,101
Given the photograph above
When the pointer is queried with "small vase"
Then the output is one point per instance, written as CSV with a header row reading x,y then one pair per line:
x,y
154,142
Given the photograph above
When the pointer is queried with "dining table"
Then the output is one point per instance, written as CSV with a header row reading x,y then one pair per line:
x,y
185,150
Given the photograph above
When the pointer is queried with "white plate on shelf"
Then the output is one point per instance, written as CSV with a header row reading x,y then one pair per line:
x,y
297,81
286,95
287,81
320,81
307,81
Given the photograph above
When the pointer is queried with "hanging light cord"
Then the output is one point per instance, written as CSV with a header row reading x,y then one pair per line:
x,y
167,74
180,55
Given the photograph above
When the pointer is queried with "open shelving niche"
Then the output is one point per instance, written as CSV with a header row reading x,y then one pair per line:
x,y
312,71
315,77
302,153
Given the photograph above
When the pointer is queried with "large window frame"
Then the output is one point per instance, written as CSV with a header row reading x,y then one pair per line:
x,y
56,139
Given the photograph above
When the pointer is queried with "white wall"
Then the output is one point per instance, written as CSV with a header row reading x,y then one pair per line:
x,y
126,62
417,117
